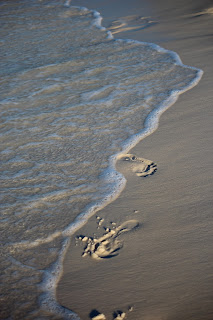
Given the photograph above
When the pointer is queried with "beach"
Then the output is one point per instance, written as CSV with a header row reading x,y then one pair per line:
x,y
164,270
106,156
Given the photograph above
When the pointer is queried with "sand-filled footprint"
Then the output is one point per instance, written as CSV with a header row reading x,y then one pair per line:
x,y
107,246
140,166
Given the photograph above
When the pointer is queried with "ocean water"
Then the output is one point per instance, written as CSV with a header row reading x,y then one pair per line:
x,y
72,99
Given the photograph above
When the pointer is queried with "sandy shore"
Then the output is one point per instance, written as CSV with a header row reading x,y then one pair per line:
x,y
164,268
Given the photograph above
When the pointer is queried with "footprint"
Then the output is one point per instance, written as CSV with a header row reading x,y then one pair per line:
x,y
119,315
107,246
96,315
130,23
140,166
205,11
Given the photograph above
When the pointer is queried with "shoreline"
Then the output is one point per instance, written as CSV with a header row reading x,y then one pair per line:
x,y
150,126
130,181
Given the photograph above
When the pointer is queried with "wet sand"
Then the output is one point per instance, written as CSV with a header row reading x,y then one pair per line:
x,y
162,269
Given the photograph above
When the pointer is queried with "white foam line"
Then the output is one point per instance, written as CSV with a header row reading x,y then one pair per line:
x,y
97,22
67,3
37,242
49,284
52,275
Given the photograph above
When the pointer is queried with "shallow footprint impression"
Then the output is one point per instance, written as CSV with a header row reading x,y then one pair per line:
x,y
130,23
107,246
140,166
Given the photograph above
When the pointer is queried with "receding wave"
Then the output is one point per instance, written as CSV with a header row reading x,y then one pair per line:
x,y
72,98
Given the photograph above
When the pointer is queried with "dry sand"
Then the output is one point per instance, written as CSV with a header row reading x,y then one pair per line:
x,y
162,268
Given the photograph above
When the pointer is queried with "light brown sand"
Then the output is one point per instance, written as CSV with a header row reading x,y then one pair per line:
x,y
164,268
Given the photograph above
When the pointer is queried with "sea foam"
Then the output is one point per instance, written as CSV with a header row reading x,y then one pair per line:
x,y
73,99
